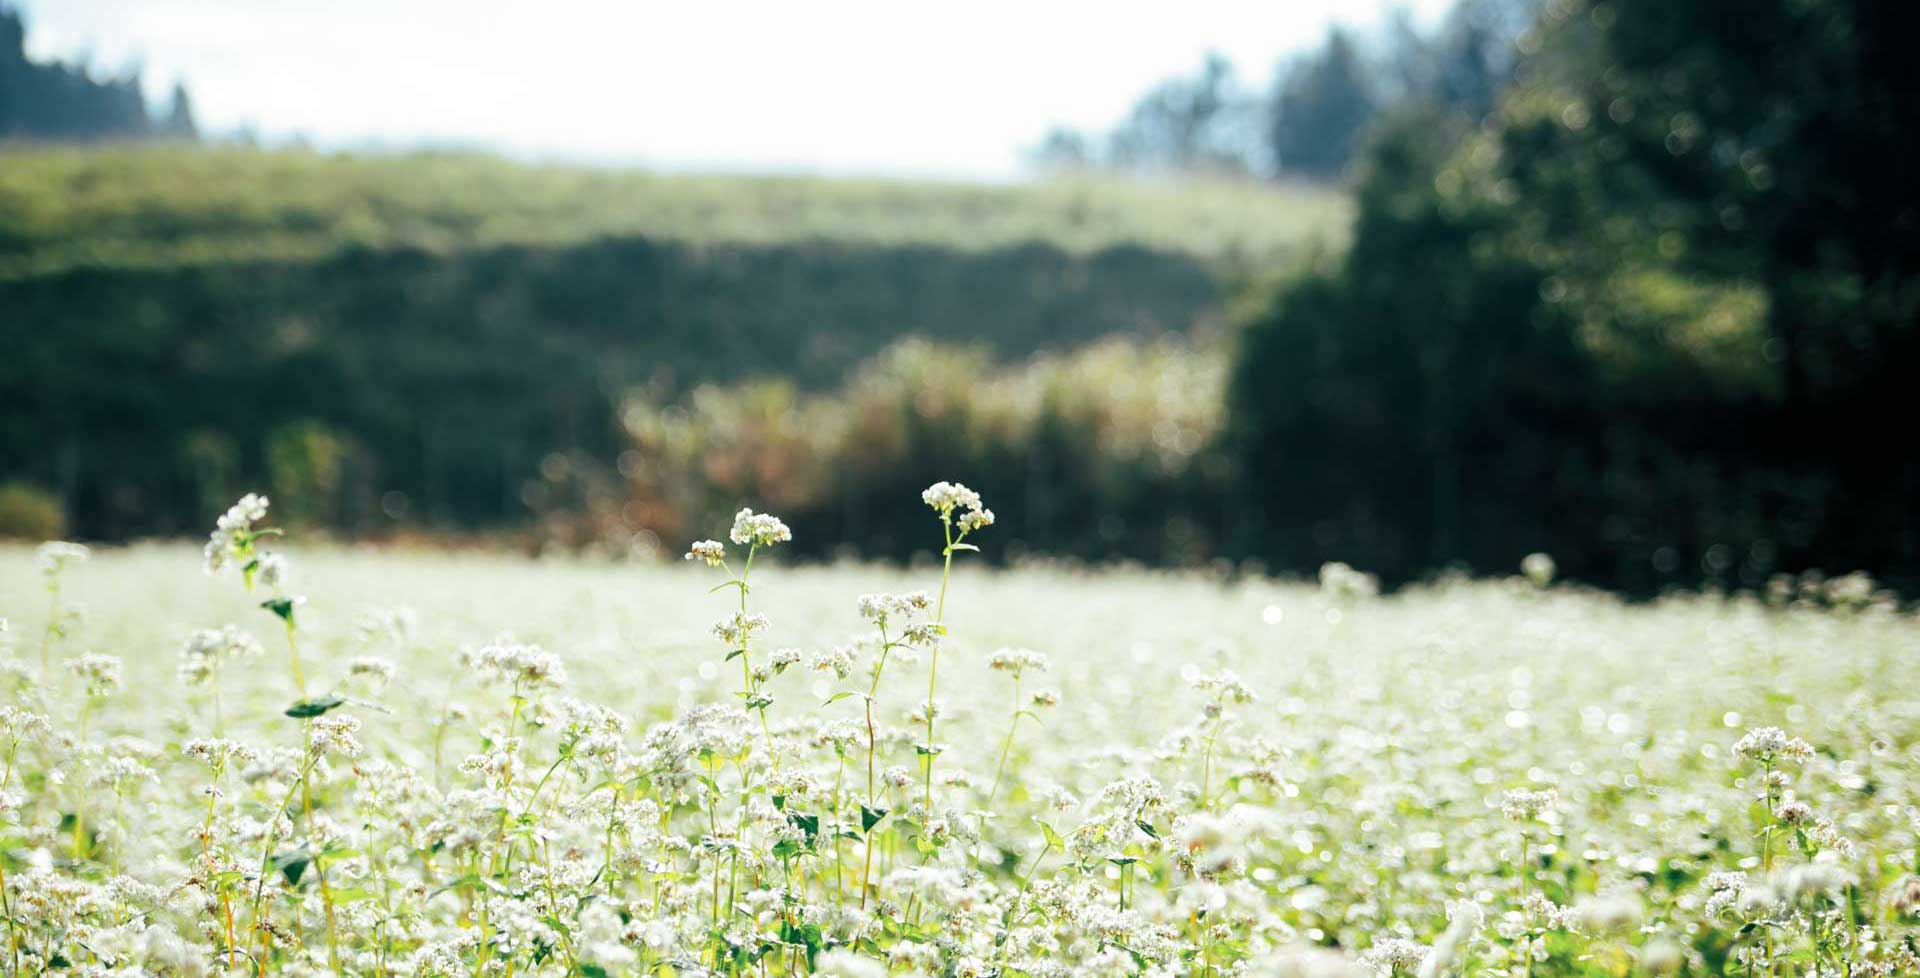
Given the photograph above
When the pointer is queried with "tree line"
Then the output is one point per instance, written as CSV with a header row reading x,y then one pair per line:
x,y
65,102
1659,313
1314,118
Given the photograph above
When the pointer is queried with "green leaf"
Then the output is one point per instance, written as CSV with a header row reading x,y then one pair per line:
x,y
1146,827
964,546
807,936
1053,838
307,709
810,824
292,865
843,694
280,606
870,817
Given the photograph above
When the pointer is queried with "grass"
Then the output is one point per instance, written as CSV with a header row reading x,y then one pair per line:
x,y
1497,777
162,206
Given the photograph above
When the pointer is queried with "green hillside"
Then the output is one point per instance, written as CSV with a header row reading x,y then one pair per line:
x,y
433,327
159,206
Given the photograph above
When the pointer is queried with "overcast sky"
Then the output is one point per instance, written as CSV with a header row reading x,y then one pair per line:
x,y
832,86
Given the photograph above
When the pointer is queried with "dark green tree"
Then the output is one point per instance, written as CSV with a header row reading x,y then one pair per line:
x,y
1321,109
1647,317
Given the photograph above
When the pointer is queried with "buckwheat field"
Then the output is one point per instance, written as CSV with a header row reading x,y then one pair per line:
x,y
277,758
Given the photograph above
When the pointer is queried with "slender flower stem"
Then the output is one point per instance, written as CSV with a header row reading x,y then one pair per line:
x,y
293,659
940,635
1006,747
53,626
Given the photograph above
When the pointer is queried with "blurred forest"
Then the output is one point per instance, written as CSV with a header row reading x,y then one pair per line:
x,y
1633,283
65,101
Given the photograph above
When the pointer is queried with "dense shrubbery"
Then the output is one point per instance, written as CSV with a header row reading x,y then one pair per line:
x,y
1107,451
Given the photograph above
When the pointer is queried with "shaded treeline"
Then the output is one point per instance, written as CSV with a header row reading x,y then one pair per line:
x,y
66,102
1659,315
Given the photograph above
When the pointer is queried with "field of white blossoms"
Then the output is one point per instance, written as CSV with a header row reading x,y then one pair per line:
x,y
277,759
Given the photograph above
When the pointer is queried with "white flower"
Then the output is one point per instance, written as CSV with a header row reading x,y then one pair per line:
x,y
54,556
737,629
274,572
1772,743
882,608
1339,580
1612,913
1538,568
102,673
1525,805
1018,661
945,497
201,653
334,734
233,531
1391,954
974,519
712,551
948,497
528,666
840,963
758,529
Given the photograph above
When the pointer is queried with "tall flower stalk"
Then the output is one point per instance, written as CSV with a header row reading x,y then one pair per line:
x,y
960,513
53,558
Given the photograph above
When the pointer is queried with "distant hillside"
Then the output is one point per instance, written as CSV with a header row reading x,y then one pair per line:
x,y
430,329
164,206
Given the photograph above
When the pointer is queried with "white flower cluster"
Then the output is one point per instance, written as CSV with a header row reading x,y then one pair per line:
x,y
102,674
1018,661
756,529
1772,744
528,667
1339,580
201,653
712,551
947,498
883,608
55,556
233,532
1527,804
1538,568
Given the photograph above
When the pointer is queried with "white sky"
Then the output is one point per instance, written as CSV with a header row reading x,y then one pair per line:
x,y
956,89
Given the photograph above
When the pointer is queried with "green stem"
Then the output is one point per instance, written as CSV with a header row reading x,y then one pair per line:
x,y
933,669
293,657
1006,747
53,625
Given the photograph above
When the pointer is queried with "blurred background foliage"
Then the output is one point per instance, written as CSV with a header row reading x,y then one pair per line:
x,y
1635,283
